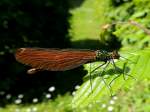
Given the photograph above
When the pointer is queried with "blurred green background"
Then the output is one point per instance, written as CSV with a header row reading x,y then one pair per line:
x,y
71,24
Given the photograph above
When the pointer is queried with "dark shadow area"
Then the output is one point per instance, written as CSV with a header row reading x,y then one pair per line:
x,y
97,45
117,3
34,24
108,41
75,3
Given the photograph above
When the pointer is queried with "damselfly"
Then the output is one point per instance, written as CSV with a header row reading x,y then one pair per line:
x,y
63,59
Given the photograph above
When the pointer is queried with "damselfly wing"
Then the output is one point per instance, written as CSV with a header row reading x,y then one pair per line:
x,y
61,59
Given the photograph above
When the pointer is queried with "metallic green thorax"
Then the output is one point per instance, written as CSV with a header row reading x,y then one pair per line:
x,y
106,56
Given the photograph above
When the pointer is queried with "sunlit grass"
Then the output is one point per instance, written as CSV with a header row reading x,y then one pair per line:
x,y
61,103
136,100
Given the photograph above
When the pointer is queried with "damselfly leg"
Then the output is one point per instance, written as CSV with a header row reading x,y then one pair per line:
x,y
94,71
121,72
101,75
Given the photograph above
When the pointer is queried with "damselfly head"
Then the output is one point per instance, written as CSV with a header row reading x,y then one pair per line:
x,y
106,56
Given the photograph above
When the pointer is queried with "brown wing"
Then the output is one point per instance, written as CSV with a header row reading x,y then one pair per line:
x,y
54,59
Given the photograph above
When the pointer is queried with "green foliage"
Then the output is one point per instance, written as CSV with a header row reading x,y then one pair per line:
x,y
133,71
133,38
129,34
61,104
133,100
88,19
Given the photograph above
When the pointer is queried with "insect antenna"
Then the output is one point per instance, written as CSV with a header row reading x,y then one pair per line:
x,y
127,59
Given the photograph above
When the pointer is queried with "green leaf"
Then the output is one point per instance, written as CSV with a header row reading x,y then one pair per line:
x,y
88,19
135,69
